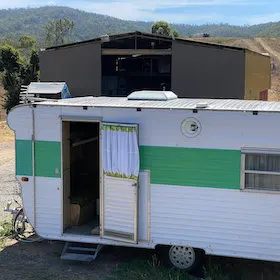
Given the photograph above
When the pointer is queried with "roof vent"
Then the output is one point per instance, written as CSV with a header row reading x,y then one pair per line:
x,y
201,105
105,38
152,95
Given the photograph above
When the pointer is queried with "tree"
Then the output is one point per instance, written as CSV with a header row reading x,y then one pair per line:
x,y
175,33
57,32
26,45
16,73
163,28
30,73
27,42
11,64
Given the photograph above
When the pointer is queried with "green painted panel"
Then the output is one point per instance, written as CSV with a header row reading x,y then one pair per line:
x,y
24,157
192,167
47,159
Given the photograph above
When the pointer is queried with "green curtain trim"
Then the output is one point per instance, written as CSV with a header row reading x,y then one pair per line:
x,y
118,175
119,128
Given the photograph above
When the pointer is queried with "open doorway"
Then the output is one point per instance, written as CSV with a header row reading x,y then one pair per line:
x,y
81,177
122,75
136,62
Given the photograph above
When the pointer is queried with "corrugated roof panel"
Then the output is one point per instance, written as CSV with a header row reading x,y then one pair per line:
x,y
180,103
45,87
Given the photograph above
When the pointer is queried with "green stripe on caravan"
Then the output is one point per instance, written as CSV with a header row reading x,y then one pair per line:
x,y
168,165
211,168
47,158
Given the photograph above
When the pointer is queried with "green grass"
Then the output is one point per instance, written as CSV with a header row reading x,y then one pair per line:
x,y
6,229
152,270
142,270
215,272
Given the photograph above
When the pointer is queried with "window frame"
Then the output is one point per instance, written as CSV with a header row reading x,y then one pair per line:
x,y
256,151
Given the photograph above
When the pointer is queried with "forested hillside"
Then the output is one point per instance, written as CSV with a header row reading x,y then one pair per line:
x,y
15,22
32,21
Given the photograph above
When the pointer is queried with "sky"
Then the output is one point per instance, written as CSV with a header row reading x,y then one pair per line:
x,y
238,12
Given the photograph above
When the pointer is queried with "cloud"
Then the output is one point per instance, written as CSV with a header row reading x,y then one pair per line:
x,y
25,3
154,10
256,19
181,11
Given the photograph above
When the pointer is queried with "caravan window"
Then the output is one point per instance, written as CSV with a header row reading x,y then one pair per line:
x,y
261,172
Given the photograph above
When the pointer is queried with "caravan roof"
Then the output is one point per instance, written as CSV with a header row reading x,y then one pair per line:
x,y
180,104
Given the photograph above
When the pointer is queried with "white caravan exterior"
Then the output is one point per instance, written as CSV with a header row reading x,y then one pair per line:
x,y
209,174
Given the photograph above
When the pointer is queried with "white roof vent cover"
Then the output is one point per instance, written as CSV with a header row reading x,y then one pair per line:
x,y
152,95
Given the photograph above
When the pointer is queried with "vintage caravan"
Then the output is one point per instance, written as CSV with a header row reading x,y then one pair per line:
x,y
153,171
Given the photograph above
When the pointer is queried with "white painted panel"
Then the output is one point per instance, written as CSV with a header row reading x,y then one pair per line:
x,y
47,123
80,112
219,130
20,120
143,204
27,197
222,222
119,205
48,207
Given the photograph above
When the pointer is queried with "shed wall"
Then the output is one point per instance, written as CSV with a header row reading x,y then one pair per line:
x,y
257,76
207,72
79,66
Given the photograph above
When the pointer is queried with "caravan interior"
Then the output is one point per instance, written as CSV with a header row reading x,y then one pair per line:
x,y
81,177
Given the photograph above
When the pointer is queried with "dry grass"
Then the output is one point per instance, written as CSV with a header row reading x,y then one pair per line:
x,y
2,111
274,92
6,134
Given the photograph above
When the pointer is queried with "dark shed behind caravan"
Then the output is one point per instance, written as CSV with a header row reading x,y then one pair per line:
x,y
119,64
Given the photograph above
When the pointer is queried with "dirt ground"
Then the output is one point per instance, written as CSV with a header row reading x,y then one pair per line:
x,y
41,260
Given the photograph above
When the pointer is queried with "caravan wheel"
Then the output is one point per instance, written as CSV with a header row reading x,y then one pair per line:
x,y
181,257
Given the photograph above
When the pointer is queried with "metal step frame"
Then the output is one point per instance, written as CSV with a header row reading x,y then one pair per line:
x,y
74,251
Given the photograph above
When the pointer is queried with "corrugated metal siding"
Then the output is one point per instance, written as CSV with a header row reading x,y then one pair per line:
x,y
222,222
27,197
257,75
48,207
199,71
192,167
24,157
180,103
20,120
119,200
144,203
47,158
78,66
47,123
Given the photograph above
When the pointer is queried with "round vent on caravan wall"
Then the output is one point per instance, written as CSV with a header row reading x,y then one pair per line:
x,y
190,127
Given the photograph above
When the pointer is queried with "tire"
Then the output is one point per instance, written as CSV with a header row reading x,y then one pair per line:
x,y
23,230
181,257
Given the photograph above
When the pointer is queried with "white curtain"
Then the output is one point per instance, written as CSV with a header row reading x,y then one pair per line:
x,y
120,152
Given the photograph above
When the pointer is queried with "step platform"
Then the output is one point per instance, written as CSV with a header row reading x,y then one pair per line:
x,y
83,252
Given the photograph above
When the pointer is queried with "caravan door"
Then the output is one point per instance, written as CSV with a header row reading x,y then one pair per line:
x,y
119,191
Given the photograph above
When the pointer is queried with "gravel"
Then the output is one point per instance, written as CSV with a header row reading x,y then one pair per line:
x,y
9,187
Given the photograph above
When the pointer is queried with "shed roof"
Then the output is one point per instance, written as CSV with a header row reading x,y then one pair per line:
x,y
46,87
179,104
152,36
